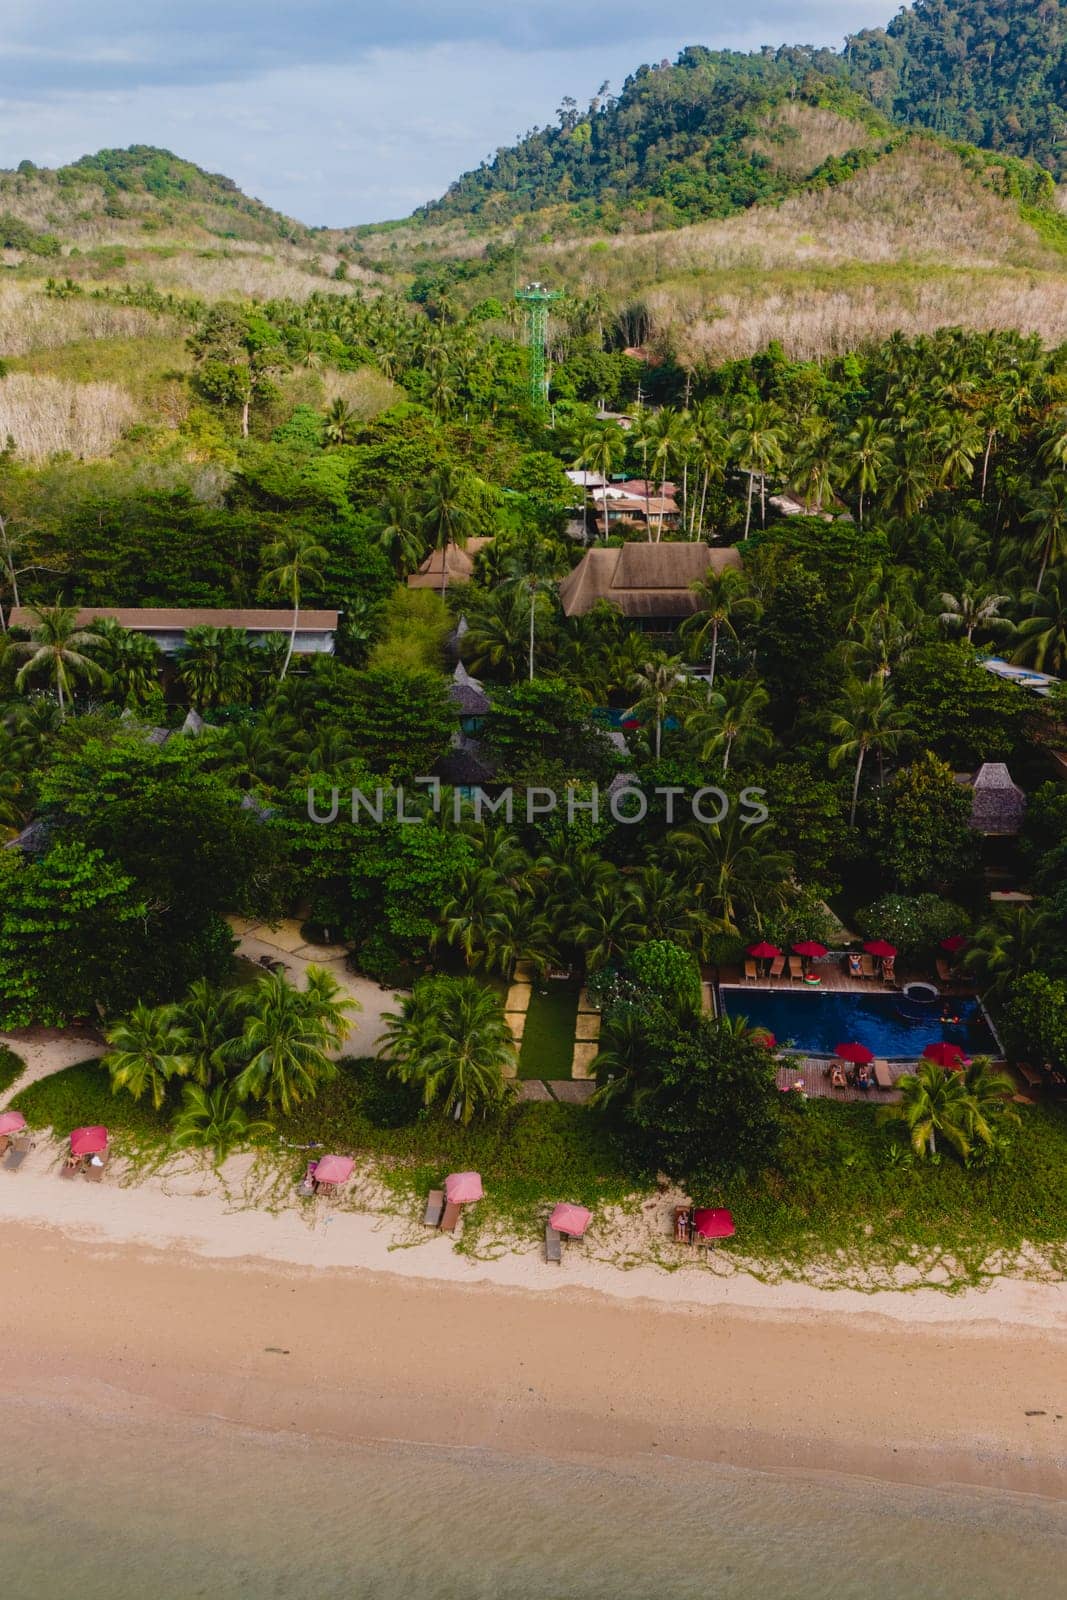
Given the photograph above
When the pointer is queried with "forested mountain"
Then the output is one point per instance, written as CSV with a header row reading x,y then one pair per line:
x,y
993,72
696,139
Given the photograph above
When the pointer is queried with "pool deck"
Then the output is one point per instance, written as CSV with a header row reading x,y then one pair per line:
x,y
813,1074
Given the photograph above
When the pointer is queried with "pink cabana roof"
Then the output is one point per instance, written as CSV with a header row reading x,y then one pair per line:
x,y
714,1224
809,947
880,947
12,1122
764,951
334,1169
857,1053
570,1219
463,1187
88,1141
949,1056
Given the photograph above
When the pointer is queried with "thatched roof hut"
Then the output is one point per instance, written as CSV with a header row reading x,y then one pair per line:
x,y
998,805
649,581
467,694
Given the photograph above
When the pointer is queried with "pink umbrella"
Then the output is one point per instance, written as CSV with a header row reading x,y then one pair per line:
x,y
946,1055
856,1053
88,1141
714,1224
12,1122
764,951
334,1169
954,943
879,947
463,1187
809,947
572,1220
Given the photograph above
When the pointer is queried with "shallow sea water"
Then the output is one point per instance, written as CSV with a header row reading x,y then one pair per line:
x,y
178,1509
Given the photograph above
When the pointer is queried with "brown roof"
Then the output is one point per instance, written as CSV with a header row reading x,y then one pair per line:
x,y
459,565
150,619
643,580
998,804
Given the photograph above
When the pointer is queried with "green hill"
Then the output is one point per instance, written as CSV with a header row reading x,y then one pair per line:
x,y
993,72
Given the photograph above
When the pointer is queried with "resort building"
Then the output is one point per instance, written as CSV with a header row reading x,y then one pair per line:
x,y
457,564
998,805
651,584
168,626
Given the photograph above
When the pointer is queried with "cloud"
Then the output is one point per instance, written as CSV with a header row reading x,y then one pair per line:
x,y
70,45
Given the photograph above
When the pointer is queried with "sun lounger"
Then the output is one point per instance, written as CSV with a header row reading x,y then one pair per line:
x,y
867,966
944,971
94,1167
450,1216
683,1225
435,1205
20,1149
882,1075
838,1080
750,971
854,965
889,970
777,966
553,1245
72,1165
5,1143
796,967
1031,1078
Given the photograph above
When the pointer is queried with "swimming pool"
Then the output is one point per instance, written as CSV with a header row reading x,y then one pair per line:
x,y
815,1021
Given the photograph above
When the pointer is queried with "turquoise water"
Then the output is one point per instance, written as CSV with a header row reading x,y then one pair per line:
x,y
815,1021
176,1509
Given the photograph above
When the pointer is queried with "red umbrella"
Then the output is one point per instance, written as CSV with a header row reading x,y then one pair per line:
x,y
764,951
334,1169
879,947
88,1141
11,1122
463,1187
809,947
949,1056
858,1054
714,1224
572,1220
954,943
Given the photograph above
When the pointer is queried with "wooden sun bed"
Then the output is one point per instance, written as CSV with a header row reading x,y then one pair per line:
x,y
777,966
1032,1078
553,1244
435,1205
71,1166
94,1170
867,966
750,972
20,1149
796,967
450,1216
882,1075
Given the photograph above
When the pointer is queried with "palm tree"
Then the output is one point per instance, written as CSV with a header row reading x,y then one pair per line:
x,y
498,632
448,513
451,1037
215,666
867,454
214,1118
732,716
722,595
757,444
283,1044
129,661
608,924
1043,634
401,536
657,683
934,1102
146,1050
975,609
603,447
734,873
208,1018
868,720
341,422
1048,513
1016,941
57,647
990,1092
291,560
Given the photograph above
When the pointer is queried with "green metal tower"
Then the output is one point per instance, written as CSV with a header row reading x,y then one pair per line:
x,y
537,299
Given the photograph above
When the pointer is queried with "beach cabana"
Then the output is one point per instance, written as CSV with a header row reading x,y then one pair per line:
x,y
333,1170
712,1223
570,1219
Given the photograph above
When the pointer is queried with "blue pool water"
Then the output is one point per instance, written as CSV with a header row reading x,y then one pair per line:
x,y
814,1021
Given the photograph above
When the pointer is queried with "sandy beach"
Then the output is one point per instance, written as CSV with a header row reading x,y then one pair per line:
x,y
126,1298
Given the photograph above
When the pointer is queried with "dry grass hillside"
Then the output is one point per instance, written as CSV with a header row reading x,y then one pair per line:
x,y
800,137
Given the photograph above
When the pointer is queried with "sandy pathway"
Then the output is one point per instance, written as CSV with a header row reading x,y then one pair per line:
x,y
48,1050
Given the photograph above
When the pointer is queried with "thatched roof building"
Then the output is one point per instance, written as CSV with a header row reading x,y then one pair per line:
x,y
467,694
998,805
458,565
651,582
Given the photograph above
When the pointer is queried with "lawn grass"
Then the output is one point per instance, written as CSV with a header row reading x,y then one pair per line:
x,y
11,1067
80,1096
548,1037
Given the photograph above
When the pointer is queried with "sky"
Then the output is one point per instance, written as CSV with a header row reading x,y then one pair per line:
x,y
346,111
